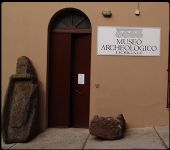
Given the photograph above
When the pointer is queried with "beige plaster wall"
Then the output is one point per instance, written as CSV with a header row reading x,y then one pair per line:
x,y
134,86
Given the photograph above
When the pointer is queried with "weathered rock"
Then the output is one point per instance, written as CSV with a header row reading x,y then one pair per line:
x,y
21,104
107,127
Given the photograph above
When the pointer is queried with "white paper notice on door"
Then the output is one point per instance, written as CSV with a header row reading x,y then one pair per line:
x,y
81,78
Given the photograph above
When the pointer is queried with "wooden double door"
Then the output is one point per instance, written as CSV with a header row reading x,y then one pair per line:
x,y
69,79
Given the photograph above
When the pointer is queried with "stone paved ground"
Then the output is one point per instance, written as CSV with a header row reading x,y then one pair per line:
x,y
77,138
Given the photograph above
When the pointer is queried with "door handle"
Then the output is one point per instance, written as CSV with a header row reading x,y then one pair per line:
x,y
77,91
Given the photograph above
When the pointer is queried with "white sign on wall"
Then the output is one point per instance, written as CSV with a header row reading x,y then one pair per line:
x,y
81,78
128,41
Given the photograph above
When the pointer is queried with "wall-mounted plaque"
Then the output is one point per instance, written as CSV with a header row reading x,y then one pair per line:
x,y
128,41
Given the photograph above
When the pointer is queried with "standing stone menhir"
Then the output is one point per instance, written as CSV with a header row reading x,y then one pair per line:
x,y
107,127
20,112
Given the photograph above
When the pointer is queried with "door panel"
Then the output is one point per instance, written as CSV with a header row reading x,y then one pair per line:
x,y
59,79
69,101
80,93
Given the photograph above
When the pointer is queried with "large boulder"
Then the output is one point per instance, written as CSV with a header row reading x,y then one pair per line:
x,y
21,104
107,127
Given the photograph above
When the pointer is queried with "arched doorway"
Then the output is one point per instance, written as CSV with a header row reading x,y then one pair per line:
x,y
69,69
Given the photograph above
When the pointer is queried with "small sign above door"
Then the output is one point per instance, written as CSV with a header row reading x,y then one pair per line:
x,y
81,78
128,41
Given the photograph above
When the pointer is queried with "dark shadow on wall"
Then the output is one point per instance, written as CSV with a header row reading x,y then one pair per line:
x,y
42,107
42,103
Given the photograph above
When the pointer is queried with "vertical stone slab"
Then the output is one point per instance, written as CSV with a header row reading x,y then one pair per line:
x,y
21,106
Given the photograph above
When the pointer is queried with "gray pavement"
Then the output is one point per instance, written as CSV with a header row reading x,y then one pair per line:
x,y
163,133
77,138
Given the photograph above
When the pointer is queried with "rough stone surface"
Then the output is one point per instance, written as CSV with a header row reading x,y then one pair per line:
x,y
20,112
107,127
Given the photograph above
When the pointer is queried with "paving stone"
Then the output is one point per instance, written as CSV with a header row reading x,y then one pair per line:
x,y
75,138
5,146
55,138
163,132
136,138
